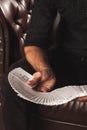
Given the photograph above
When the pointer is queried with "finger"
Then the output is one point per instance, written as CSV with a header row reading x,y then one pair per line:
x,y
44,88
36,78
82,98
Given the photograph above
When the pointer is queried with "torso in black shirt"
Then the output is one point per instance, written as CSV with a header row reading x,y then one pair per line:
x,y
72,30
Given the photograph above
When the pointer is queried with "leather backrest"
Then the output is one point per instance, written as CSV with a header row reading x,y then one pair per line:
x,y
17,13
4,45
14,19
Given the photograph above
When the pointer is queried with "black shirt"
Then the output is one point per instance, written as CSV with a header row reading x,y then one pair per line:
x,y
72,30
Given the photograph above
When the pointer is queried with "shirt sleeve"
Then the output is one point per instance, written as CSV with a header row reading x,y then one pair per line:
x,y
39,30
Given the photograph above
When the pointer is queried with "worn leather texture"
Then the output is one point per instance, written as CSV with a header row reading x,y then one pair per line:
x,y
14,20
17,14
70,116
4,44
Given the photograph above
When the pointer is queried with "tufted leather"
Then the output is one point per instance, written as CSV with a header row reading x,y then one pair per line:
x,y
17,13
4,45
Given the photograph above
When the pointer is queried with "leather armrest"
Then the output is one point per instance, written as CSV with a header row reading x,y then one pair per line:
x,y
74,112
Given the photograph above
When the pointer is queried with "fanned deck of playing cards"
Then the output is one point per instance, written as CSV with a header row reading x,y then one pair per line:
x,y
18,78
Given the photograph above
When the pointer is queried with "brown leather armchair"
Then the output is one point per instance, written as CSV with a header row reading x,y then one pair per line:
x,y
14,19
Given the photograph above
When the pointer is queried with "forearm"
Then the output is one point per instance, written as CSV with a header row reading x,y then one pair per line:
x,y
36,57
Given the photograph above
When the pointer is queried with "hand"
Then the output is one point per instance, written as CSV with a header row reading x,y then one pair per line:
x,y
43,80
82,99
